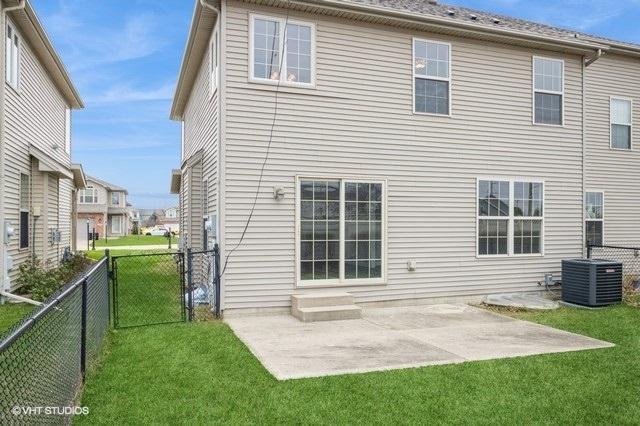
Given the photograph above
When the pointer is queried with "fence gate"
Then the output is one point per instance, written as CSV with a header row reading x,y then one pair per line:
x,y
148,289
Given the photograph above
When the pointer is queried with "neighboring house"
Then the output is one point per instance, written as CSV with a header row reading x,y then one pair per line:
x,y
104,206
37,179
415,150
170,219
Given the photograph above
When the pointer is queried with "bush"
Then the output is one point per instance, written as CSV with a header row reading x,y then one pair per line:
x,y
41,282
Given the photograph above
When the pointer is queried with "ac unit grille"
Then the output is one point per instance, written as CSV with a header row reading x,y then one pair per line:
x,y
591,282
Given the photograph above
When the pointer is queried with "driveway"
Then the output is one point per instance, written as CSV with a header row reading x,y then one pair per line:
x,y
398,337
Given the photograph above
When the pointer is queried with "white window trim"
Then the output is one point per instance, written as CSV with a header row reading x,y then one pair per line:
x,y
630,100
550,92
587,219
413,79
111,199
341,282
82,195
511,218
15,32
214,74
282,81
119,230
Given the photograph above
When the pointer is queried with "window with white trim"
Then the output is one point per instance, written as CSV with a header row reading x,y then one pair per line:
x,y
213,62
115,198
621,118
116,224
25,204
548,88
341,230
89,195
431,77
594,217
12,56
510,217
273,45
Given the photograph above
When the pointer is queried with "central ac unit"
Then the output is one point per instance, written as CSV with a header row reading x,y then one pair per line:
x,y
591,282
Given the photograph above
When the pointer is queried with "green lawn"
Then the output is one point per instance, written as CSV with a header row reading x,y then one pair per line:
x,y
201,373
10,313
137,240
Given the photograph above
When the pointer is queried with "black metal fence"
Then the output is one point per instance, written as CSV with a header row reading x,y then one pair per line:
x,y
203,284
148,289
628,256
43,358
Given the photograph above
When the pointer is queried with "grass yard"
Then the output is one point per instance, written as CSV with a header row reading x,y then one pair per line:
x,y
137,240
201,373
10,313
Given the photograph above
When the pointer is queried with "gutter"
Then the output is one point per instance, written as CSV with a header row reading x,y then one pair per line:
x,y
471,28
3,253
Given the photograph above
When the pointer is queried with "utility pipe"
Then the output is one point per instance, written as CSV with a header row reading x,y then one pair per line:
x,y
3,252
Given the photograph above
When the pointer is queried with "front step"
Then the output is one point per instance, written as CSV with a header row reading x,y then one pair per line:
x,y
324,307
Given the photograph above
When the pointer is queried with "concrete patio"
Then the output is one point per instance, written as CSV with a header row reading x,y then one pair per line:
x,y
398,337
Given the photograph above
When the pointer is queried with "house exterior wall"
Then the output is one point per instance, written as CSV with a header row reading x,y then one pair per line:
x,y
199,187
35,114
614,172
358,122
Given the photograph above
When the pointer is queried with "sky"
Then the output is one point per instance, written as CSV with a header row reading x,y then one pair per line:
x,y
124,57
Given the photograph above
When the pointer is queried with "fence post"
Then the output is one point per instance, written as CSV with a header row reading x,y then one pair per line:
x,y
110,295
216,267
88,236
93,239
83,331
189,284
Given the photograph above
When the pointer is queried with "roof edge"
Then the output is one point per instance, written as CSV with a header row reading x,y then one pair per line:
x,y
54,64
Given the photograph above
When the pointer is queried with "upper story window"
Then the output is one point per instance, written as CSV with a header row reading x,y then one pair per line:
x,y
282,51
89,195
214,61
12,52
510,217
431,77
115,198
548,88
620,116
594,217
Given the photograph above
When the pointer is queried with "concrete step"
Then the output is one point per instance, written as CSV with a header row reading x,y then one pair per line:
x,y
327,313
313,300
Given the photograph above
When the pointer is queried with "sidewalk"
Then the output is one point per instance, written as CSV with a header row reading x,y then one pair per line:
x,y
142,247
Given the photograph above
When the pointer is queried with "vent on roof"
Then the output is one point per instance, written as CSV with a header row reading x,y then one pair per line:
x,y
496,21
451,13
434,2
473,17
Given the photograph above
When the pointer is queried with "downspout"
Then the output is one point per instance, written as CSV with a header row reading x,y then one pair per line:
x,y
4,284
220,169
585,63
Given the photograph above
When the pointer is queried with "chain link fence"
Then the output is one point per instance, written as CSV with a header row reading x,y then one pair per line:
x,y
44,357
203,289
148,289
630,259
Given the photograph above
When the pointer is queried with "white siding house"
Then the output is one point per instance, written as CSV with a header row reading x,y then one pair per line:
x,y
38,178
419,152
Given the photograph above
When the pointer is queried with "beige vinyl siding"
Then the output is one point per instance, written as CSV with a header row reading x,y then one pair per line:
x,y
35,114
358,122
201,135
614,172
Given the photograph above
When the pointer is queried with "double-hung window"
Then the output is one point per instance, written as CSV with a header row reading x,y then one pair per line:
x,y
548,88
431,77
341,231
594,217
25,201
89,195
12,56
620,117
115,199
282,51
510,217
214,61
